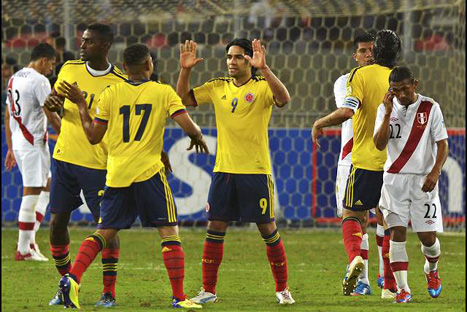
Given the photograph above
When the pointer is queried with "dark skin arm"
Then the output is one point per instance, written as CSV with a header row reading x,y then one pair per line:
x,y
441,156
335,118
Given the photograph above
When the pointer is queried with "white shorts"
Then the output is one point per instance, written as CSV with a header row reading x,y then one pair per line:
x,y
402,199
34,165
341,182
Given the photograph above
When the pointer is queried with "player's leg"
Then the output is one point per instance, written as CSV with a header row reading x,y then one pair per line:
x,y
221,208
399,260
431,249
379,243
389,290
363,284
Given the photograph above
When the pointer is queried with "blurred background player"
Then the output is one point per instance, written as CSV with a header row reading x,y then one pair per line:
x,y
241,187
363,55
366,87
412,127
26,136
136,184
78,165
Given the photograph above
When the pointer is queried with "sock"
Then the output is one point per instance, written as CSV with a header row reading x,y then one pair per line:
x,y
26,219
277,259
352,233
213,252
399,264
109,269
389,281
62,259
41,207
379,243
87,252
364,254
432,254
174,261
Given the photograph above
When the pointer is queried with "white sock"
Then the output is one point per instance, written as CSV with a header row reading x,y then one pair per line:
x,y
380,233
399,258
26,219
365,246
433,252
41,207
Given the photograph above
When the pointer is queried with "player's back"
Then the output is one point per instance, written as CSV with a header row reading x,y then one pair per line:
x,y
72,144
368,84
136,114
27,90
347,126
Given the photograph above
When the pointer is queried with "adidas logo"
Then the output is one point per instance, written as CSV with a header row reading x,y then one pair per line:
x,y
358,203
224,97
166,249
359,234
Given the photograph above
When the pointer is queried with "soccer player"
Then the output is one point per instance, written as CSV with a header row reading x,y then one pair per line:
x,y
26,136
366,87
134,114
241,187
78,165
412,127
363,55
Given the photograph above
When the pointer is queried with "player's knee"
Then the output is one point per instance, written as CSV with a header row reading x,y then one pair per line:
x,y
428,239
59,222
218,226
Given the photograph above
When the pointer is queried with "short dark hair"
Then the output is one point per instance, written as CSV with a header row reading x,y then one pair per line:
x,y
60,42
400,73
135,54
246,45
105,31
387,48
363,37
42,50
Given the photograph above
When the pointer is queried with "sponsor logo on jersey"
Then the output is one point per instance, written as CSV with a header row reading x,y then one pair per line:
x,y
224,97
394,119
249,97
422,118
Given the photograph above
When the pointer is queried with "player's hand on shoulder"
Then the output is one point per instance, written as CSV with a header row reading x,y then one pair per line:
x,y
388,97
72,92
199,144
188,57
430,181
166,161
54,102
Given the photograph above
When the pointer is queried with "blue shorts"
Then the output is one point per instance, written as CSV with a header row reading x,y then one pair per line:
x,y
67,182
151,200
241,197
363,189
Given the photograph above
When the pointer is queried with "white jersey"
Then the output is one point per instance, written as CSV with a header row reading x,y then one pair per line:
x,y
27,91
414,131
347,128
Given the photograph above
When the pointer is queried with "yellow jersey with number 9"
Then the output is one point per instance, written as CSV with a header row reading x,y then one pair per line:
x,y
72,144
242,119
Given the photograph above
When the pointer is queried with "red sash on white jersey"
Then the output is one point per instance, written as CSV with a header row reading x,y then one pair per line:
x,y
27,135
347,149
419,125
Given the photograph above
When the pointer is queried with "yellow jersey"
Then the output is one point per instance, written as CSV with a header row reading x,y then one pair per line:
x,y
136,115
242,118
72,144
366,87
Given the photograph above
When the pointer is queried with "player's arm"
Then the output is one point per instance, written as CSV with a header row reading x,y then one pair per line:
x,y
193,131
280,92
335,118
441,156
94,130
188,60
54,119
381,135
10,160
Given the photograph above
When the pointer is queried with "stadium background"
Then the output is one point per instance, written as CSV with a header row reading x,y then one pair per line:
x,y
309,46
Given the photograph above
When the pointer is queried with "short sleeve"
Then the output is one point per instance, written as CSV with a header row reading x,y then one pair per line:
x,y
269,97
202,93
42,89
438,128
103,107
354,91
379,118
340,90
173,104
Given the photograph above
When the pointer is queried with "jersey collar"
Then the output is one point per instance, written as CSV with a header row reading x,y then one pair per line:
x,y
98,73
137,83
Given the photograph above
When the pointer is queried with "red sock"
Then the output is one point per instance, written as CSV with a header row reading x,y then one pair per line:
x,y
109,267
379,240
277,259
88,251
62,259
352,233
389,281
213,252
174,260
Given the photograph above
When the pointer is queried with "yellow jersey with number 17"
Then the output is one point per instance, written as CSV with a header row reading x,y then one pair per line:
x,y
366,87
136,114
242,119
72,144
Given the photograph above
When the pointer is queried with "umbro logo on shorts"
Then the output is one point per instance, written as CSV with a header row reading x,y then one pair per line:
x,y
429,222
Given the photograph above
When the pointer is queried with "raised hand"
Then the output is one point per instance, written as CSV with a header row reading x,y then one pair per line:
x,y
72,92
388,102
188,57
259,55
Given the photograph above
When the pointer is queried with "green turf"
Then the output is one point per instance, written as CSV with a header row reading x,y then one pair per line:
x,y
316,266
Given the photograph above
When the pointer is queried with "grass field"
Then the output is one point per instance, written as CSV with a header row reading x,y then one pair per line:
x,y
316,266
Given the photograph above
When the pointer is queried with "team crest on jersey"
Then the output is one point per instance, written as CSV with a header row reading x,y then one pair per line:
x,y
249,97
422,118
